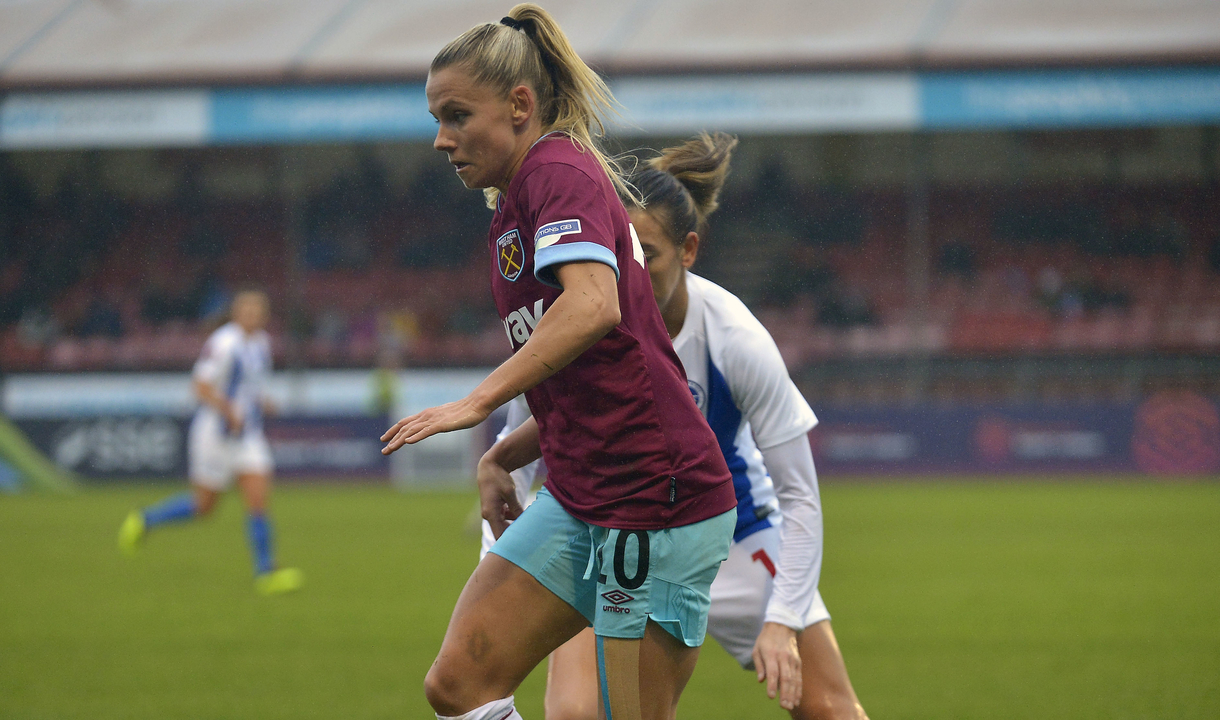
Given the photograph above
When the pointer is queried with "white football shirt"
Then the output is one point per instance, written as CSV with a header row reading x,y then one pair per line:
x,y
237,366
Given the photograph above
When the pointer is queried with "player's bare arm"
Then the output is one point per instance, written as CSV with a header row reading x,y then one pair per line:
x,y
497,491
583,313
208,395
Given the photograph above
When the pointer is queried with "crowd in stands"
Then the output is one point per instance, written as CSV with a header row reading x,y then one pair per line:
x,y
388,274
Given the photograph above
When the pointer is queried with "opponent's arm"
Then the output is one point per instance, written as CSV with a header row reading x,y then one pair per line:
x,y
798,567
523,477
583,313
800,557
780,418
497,490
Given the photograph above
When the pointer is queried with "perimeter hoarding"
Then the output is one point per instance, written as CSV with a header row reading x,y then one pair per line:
x,y
1165,434
123,425
108,426
671,104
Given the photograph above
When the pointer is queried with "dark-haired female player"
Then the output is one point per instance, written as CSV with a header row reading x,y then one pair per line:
x,y
766,609
639,509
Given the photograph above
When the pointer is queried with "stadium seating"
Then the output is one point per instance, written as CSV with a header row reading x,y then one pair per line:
x,y
1027,270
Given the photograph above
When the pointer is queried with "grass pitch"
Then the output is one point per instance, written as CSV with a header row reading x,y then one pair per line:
x,y
950,600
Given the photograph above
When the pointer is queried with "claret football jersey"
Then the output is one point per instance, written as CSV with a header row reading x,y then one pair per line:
x,y
624,443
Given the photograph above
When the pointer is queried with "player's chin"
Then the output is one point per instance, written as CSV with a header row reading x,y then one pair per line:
x,y
471,178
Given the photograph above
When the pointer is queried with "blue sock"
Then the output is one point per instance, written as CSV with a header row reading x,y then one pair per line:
x,y
172,509
260,542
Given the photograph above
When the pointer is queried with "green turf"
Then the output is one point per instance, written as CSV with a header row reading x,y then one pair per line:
x,y
951,600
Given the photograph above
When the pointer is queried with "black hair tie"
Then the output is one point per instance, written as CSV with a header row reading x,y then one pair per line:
x,y
510,22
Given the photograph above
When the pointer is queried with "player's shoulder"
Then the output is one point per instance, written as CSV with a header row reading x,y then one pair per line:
x,y
225,336
557,158
726,316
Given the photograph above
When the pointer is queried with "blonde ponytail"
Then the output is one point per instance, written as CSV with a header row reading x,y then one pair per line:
x,y
572,99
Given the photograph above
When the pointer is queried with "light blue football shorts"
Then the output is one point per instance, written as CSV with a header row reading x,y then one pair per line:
x,y
621,579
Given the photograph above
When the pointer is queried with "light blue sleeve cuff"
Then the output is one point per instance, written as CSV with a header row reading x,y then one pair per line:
x,y
547,258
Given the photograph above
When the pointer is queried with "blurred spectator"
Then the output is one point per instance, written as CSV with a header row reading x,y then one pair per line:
x,y
845,307
330,330
38,327
1016,282
102,319
805,274
957,259
833,216
467,318
1144,233
165,300
1049,286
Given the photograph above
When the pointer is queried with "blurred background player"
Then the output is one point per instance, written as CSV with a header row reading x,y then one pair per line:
x,y
226,440
766,608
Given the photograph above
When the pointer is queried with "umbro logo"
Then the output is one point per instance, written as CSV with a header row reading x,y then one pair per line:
x,y
618,597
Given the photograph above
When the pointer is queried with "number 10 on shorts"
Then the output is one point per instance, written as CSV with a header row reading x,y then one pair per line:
x,y
629,572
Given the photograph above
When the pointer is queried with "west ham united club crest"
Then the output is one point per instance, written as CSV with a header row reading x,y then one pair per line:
x,y
510,255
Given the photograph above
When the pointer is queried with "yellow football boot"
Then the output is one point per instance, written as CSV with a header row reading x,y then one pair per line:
x,y
278,582
131,532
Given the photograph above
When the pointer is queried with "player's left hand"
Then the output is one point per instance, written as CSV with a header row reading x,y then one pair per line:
x,y
778,662
442,418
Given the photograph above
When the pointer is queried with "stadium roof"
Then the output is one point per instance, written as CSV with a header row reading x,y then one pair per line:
x,y
141,42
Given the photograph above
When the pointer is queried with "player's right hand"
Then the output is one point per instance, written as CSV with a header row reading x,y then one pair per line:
x,y
458,415
777,661
497,496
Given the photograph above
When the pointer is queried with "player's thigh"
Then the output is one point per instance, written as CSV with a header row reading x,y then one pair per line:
x,y
571,679
740,594
527,596
254,466
505,622
666,665
210,457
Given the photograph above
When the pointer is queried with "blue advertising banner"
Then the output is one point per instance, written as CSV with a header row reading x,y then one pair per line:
x,y
312,114
328,448
1067,98
662,104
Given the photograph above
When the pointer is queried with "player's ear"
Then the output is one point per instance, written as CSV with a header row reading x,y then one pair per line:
x,y
690,249
523,105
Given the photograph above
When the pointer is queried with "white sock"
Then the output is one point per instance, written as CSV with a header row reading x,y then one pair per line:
x,y
495,710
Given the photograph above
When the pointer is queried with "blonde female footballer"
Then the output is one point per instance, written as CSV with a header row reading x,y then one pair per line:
x,y
638,510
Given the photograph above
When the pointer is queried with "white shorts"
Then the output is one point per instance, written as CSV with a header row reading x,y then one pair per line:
x,y
741,591
216,458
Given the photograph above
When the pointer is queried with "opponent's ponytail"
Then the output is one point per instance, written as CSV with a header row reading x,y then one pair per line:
x,y
681,186
529,48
